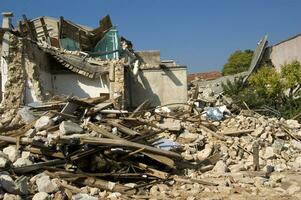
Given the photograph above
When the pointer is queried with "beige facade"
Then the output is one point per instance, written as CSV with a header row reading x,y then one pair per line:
x,y
286,51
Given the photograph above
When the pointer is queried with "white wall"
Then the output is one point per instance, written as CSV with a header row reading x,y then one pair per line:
x,y
4,69
78,85
286,52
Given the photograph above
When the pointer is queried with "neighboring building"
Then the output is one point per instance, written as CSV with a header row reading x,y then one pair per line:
x,y
204,76
286,51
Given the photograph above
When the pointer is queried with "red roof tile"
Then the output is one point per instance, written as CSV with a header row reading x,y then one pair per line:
x,y
204,75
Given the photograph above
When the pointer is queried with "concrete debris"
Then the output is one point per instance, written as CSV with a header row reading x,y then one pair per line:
x,y
8,184
11,197
45,184
81,196
43,123
41,196
70,127
12,153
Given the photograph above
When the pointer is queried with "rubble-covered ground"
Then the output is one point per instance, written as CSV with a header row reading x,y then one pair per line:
x,y
74,148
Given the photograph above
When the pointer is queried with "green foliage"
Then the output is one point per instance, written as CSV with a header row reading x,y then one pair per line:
x,y
291,75
268,87
230,88
267,83
238,62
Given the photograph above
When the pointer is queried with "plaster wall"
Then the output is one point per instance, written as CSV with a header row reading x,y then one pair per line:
x,y
286,51
159,86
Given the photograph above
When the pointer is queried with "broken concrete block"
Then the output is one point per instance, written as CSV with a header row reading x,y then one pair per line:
x,y
8,184
45,184
220,168
21,162
269,153
170,124
42,133
187,137
293,124
22,185
42,123
12,153
41,196
94,191
25,154
3,162
82,196
297,163
30,133
237,167
11,197
205,153
67,127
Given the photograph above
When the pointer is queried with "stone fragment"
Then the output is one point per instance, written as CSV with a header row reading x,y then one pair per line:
x,y
22,185
296,144
186,137
293,124
67,127
12,153
237,167
292,189
21,162
257,132
41,196
297,163
170,124
205,153
220,168
82,196
8,184
45,184
30,133
43,122
11,197
4,162
269,153
94,191
42,133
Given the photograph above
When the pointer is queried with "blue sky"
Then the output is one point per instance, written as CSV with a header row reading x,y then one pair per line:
x,y
198,33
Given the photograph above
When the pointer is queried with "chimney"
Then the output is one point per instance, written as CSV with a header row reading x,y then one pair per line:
x,y
6,21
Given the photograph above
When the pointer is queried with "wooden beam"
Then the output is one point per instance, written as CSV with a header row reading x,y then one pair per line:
x,y
102,131
122,128
125,143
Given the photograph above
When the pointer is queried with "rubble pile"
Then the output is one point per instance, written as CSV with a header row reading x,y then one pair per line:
x,y
88,149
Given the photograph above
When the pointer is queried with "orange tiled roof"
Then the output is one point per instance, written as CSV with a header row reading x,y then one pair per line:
x,y
204,75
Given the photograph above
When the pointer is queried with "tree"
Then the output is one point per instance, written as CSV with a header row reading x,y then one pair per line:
x,y
267,83
238,62
291,75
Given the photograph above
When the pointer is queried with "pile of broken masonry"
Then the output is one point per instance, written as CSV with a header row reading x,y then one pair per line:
x,y
88,149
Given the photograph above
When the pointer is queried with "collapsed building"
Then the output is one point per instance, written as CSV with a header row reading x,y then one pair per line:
x,y
46,57
87,148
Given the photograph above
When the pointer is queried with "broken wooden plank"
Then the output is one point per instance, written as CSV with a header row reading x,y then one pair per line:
x,y
99,107
125,143
236,133
46,152
216,135
256,156
122,128
102,131
153,172
37,166
105,185
162,159
142,106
